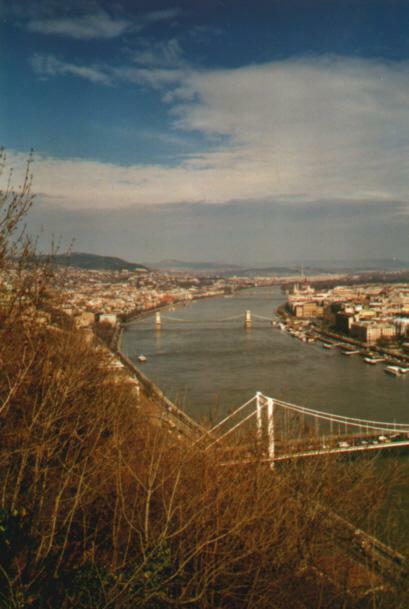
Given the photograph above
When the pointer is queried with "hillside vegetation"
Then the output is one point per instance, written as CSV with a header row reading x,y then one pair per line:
x,y
103,506
95,262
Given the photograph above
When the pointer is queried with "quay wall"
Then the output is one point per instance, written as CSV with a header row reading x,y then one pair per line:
x,y
281,310
381,350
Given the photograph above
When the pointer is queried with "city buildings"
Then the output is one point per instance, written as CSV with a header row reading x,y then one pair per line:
x,y
369,313
91,296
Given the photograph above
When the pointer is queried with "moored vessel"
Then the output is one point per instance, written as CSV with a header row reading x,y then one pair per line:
x,y
393,370
374,360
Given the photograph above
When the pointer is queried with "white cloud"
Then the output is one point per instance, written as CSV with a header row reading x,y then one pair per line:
x,y
327,127
98,24
49,65
77,183
167,53
163,15
316,129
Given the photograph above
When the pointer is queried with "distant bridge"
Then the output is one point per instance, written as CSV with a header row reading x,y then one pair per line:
x,y
248,319
275,431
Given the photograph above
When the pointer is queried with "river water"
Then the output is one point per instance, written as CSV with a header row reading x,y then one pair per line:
x,y
209,366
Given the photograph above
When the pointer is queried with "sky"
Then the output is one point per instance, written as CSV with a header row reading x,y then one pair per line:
x,y
221,130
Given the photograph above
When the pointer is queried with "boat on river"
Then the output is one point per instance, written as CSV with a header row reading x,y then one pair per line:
x,y
350,352
374,360
141,358
393,370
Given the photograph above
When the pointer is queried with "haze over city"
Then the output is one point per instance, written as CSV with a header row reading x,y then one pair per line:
x,y
223,130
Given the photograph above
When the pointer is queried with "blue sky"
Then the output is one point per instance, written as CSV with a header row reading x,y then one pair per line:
x,y
222,130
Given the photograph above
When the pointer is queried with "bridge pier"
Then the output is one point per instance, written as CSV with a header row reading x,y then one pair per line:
x,y
158,321
247,319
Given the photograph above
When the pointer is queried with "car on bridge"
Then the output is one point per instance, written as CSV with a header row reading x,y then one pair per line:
x,y
399,437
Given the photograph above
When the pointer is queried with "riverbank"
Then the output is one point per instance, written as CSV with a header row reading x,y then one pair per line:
x,y
175,418
391,355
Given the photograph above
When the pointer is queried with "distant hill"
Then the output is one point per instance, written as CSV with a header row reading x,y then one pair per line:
x,y
222,268
181,265
380,264
269,270
95,262
334,266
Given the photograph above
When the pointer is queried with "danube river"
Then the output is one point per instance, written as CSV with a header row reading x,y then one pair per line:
x,y
209,366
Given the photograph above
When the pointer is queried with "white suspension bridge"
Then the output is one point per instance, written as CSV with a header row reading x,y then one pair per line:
x,y
276,431
268,430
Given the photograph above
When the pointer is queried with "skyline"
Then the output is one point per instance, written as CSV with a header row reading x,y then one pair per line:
x,y
212,132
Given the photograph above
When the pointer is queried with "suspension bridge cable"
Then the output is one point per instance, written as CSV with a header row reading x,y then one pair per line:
x,y
327,417
240,316
337,417
232,429
231,415
340,418
345,422
176,319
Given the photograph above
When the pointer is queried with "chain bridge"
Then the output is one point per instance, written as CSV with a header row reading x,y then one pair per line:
x,y
248,319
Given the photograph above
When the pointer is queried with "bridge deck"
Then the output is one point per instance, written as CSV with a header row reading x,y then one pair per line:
x,y
342,450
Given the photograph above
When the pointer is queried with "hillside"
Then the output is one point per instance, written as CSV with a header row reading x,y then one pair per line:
x,y
95,262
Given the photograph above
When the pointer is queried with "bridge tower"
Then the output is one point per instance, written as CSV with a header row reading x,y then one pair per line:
x,y
271,431
247,319
158,321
